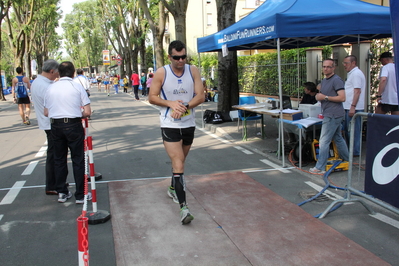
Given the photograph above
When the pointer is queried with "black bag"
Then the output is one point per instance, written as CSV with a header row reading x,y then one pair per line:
x,y
307,155
212,117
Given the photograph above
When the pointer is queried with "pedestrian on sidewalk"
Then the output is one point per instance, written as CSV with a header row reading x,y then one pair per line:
x,y
331,96
99,81
20,87
125,83
355,88
387,96
66,103
177,89
143,81
135,83
82,80
39,88
148,82
106,81
115,81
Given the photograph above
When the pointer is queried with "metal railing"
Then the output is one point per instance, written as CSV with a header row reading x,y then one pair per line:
x,y
350,190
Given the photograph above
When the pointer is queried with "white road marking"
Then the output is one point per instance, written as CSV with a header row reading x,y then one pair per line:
x,y
13,193
264,170
386,219
275,166
41,152
1,216
328,193
29,169
243,150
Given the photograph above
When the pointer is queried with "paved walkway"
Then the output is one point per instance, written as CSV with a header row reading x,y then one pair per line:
x,y
237,222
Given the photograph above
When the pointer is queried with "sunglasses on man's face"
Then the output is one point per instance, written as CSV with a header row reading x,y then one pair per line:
x,y
178,57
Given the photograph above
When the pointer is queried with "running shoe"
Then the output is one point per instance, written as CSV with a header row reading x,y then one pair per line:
x,y
314,170
172,194
81,201
64,197
185,215
27,121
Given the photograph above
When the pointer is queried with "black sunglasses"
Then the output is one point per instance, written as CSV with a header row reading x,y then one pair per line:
x,y
178,57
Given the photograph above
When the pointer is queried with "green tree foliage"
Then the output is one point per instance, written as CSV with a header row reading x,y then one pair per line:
x,y
154,11
258,73
44,39
84,39
19,23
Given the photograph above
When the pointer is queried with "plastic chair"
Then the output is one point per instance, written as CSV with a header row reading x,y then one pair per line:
x,y
246,115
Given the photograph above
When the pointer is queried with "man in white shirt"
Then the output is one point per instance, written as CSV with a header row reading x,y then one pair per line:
x,y
38,90
355,87
82,80
387,96
66,103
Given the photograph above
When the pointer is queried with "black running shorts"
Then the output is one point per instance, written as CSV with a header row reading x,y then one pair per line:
x,y
178,134
389,107
24,100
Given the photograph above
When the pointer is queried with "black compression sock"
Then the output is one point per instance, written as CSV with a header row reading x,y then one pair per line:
x,y
179,185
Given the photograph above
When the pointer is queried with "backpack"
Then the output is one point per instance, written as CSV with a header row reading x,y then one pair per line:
x,y
307,155
212,117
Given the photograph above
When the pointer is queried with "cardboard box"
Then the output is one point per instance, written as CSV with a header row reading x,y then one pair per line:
x,y
310,110
292,116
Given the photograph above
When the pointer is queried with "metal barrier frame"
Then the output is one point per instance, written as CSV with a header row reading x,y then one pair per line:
x,y
349,189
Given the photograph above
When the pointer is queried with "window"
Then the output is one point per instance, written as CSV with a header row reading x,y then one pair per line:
x,y
209,19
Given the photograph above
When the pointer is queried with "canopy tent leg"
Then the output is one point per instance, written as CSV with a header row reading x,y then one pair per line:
x,y
202,104
280,92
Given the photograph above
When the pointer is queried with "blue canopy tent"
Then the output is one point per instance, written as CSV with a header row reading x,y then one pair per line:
x,y
302,23
291,24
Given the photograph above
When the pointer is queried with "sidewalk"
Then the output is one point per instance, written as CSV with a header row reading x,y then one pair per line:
x,y
6,104
252,226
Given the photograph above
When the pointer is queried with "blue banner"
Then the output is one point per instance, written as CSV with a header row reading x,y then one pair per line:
x,y
382,158
394,7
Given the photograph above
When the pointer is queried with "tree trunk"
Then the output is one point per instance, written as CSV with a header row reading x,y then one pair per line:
x,y
180,27
227,81
227,66
2,98
143,55
135,57
157,29
158,39
40,61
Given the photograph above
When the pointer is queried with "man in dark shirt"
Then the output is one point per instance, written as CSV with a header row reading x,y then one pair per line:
x,y
310,93
331,96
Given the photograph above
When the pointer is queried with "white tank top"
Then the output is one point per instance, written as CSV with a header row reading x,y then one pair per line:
x,y
177,88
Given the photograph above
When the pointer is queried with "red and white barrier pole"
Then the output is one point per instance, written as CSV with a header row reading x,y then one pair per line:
x,y
86,185
92,173
83,241
96,216
85,121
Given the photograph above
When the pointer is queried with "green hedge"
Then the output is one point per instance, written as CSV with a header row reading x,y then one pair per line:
x,y
259,73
